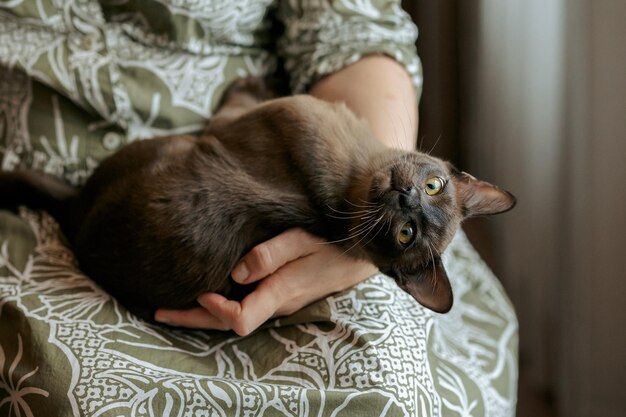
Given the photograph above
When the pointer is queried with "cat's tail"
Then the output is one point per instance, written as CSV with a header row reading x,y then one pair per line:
x,y
36,190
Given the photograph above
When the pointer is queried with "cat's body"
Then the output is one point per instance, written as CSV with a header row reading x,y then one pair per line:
x,y
164,220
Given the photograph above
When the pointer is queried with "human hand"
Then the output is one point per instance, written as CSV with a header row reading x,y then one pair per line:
x,y
294,269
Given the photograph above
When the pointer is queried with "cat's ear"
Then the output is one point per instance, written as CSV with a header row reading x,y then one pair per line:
x,y
429,286
479,198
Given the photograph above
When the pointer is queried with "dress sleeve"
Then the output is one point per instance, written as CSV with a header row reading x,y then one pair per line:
x,y
323,36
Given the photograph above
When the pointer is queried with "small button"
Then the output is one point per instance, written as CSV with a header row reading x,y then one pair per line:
x,y
111,141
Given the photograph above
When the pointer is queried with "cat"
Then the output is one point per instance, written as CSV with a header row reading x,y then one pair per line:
x,y
163,220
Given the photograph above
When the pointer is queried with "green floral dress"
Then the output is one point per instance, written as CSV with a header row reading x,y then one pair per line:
x,y
81,78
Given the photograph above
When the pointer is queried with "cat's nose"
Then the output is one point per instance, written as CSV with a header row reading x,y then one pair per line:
x,y
408,198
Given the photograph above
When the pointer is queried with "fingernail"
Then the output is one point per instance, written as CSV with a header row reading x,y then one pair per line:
x,y
163,318
241,272
201,301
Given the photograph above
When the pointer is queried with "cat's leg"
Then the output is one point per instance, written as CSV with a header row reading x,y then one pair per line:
x,y
241,96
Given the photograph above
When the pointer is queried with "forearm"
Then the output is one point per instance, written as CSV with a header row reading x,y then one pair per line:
x,y
378,89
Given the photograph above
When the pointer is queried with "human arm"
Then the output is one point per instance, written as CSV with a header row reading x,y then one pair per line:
x,y
378,89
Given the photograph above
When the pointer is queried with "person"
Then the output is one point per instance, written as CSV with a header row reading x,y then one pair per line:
x,y
377,73
80,79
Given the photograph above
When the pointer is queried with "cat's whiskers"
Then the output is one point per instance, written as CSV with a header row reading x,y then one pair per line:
x,y
366,229
334,216
376,234
364,232
434,280
364,224
435,145
367,204
347,212
388,226
345,215
372,212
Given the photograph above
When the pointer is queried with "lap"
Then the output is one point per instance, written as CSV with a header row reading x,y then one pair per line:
x,y
371,349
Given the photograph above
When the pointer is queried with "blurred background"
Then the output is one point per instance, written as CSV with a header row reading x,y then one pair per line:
x,y
531,95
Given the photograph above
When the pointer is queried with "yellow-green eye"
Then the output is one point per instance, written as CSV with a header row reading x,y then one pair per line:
x,y
434,185
406,235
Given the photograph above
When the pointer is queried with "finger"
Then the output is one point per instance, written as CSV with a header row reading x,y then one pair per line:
x,y
245,317
267,257
224,310
288,289
195,318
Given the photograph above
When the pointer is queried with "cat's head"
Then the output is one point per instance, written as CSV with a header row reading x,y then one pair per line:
x,y
409,207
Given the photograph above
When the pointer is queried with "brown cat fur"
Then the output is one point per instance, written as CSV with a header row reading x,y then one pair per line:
x,y
164,220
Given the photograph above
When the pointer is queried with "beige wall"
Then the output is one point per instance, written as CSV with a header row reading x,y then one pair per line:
x,y
511,129
594,336
542,112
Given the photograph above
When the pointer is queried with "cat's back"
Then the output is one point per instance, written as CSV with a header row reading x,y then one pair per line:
x,y
143,183
141,157
146,169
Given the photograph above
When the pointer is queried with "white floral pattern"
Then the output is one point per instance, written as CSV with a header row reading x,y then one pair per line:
x,y
371,345
15,388
158,67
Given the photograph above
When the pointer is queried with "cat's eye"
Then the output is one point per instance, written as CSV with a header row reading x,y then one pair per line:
x,y
406,234
434,185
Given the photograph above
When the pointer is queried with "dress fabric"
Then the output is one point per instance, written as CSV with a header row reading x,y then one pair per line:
x,y
81,78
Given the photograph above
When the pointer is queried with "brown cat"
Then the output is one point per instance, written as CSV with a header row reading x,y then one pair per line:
x,y
164,220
